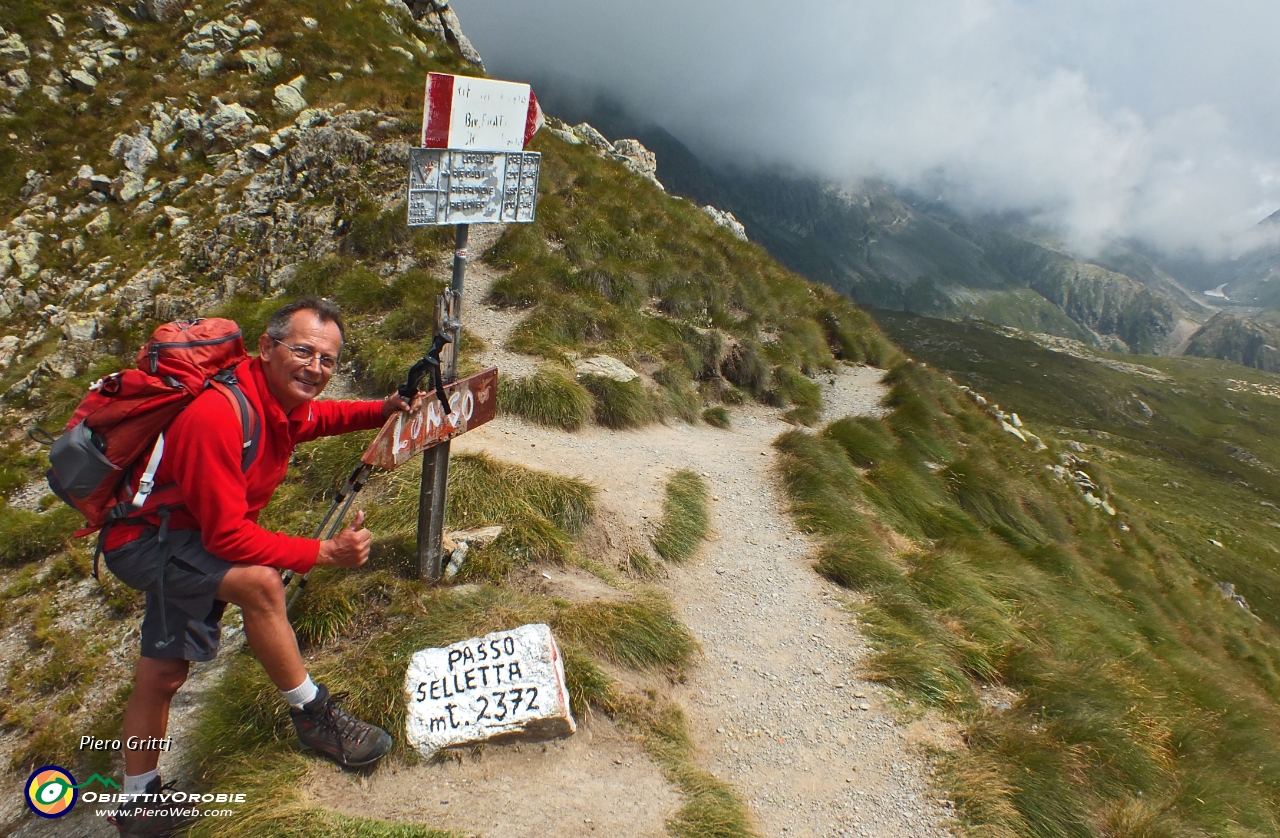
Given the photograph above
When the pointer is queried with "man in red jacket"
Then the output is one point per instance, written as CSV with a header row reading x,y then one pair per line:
x,y
214,552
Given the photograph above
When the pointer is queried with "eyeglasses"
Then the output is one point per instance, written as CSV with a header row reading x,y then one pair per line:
x,y
305,355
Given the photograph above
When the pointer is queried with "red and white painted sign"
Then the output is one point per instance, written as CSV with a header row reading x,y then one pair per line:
x,y
472,402
472,114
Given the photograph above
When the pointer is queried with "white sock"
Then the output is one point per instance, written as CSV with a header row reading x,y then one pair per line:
x,y
301,694
137,783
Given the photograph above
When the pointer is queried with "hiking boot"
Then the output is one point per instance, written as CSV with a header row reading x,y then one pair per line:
x,y
331,732
156,820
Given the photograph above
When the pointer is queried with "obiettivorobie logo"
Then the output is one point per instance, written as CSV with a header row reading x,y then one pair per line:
x,y
52,791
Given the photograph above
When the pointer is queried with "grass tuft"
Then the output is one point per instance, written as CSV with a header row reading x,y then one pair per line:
x,y
686,517
710,809
334,602
716,417
27,536
858,562
620,404
865,441
641,634
548,397
540,512
640,564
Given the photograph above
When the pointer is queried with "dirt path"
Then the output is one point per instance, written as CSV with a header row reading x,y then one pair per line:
x,y
774,703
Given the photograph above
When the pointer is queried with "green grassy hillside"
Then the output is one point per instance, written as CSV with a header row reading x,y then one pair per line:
x,y
1104,683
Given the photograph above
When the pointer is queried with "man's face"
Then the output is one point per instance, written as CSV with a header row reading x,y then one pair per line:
x,y
290,381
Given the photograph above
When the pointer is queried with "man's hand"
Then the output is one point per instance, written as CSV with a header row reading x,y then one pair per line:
x,y
349,548
395,402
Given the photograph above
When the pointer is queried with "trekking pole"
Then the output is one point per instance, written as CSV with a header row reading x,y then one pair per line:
x,y
346,496
429,364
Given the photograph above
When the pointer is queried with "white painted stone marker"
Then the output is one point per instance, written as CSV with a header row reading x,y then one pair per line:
x,y
509,684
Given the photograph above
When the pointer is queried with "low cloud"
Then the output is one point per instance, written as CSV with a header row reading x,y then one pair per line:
x,y
1106,121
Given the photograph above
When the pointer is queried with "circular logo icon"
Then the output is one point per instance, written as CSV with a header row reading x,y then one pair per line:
x,y
51,791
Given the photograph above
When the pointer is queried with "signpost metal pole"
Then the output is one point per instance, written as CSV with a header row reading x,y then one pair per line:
x,y
471,169
460,258
435,463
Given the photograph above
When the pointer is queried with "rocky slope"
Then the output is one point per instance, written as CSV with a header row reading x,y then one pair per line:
x,y
1249,341
164,169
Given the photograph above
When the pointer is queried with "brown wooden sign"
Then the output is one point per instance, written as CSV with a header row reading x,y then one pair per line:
x,y
472,402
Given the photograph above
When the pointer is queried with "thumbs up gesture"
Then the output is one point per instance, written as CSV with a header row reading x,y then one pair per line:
x,y
349,548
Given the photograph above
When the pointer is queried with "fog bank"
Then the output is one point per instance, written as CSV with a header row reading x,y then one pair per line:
x,y
1108,121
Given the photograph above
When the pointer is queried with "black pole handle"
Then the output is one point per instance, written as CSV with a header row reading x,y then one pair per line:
x,y
429,364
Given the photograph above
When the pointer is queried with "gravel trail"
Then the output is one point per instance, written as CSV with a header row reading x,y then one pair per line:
x,y
775,702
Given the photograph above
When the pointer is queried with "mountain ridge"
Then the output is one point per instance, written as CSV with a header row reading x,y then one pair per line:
x,y
899,251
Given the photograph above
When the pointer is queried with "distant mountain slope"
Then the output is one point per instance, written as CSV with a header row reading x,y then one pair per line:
x,y
1253,342
893,251
1252,279
876,247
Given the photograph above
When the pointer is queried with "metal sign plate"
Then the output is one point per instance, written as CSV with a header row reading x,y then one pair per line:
x,y
474,114
450,186
472,402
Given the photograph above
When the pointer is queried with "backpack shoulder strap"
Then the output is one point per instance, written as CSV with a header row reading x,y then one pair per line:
x,y
250,424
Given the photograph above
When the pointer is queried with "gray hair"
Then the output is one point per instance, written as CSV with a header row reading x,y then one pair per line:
x,y
279,323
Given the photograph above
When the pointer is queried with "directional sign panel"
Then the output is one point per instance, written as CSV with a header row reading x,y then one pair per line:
x,y
473,114
472,402
449,186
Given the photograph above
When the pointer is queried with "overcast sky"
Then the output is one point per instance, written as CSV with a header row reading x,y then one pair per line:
x,y
1108,118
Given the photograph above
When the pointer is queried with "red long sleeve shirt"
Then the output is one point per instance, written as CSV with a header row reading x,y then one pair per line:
x,y
202,455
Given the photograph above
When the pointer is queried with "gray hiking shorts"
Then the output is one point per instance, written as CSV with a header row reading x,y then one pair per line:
x,y
184,616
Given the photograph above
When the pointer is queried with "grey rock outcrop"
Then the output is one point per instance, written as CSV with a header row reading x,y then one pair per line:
x,y
8,349
275,227
1248,341
288,97
437,18
23,252
224,126
80,327
607,367
568,136
163,10
203,66
83,81
108,22
127,187
12,48
205,49
639,159
163,124
726,219
17,81
589,135
100,224
262,61
138,153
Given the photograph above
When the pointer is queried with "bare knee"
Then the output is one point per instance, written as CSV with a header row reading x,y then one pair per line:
x,y
258,589
161,676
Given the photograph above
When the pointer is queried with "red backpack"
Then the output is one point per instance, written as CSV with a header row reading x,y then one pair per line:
x,y
120,424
